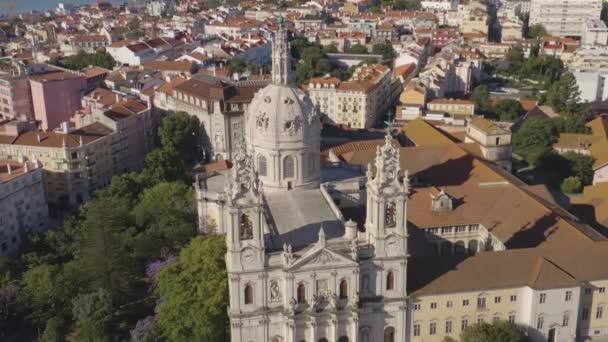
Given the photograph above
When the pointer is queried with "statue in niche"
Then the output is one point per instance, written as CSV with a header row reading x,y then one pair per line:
x,y
245,228
275,292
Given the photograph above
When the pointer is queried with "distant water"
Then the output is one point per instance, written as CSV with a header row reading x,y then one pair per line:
x,y
21,6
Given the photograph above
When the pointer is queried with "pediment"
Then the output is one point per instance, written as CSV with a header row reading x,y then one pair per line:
x,y
320,258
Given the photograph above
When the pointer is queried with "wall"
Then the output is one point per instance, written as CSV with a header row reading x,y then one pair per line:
x,y
56,101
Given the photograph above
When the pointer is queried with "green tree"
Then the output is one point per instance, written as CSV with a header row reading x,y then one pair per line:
x,y
358,49
501,331
581,166
127,186
103,254
385,49
323,67
82,60
534,140
166,212
182,132
237,64
508,109
304,72
54,330
563,94
481,97
194,292
571,185
515,57
537,31
162,165
331,48
92,313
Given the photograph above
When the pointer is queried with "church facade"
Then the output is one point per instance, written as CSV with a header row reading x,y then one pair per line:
x,y
356,253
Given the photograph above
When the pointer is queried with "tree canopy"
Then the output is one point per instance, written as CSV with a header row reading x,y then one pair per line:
x,y
500,331
507,109
194,307
536,31
481,97
534,140
82,60
181,132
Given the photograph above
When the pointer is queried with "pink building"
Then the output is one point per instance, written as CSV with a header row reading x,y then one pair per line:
x,y
56,97
15,98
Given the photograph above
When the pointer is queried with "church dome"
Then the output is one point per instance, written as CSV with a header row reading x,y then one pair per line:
x,y
280,113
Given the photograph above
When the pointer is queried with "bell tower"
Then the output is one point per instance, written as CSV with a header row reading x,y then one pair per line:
x,y
387,195
243,214
281,56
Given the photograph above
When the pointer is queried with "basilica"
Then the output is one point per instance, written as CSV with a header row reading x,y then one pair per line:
x,y
383,242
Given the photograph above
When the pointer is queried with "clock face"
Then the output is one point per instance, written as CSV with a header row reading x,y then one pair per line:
x,y
248,257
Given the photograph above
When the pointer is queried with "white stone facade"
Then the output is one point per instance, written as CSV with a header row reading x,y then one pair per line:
x,y
564,18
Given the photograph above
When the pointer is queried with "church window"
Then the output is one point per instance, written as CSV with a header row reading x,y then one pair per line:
x,y
248,294
540,322
390,215
343,339
566,319
301,293
288,167
448,327
433,328
464,324
390,281
245,227
416,329
389,334
262,166
599,313
343,289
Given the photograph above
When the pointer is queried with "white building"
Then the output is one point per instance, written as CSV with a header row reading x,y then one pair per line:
x,y
23,206
359,102
595,32
444,5
298,271
564,18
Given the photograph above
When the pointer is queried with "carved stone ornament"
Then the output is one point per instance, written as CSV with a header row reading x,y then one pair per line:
x,y
275,292
322,258
262,121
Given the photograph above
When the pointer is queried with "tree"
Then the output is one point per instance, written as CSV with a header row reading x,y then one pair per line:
x,y
581,166
181,132
92,313
501,331
515,57
237,64
563,94
166,213
82,60
127,186
103,255
534,139
571,185
385,49
194,292
481,97
54,330
508,109
358,49
537,31
162,165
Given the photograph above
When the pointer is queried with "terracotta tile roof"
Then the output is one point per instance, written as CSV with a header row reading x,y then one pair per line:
x,y
55,76
184,66
88,133
452,101
574,141
167,87
125,109
94,71
421,133
17,169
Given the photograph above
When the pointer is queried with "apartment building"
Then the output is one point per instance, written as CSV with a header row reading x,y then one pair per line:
x,y
218,104
23,206
359,102
137,53
564,18
594,32
56,97
15,97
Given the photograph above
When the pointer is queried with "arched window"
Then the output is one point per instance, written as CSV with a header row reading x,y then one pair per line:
x,y
364,333
343,339
459,248
390,215
301,293
248,294
390,281
323,340
245,227
473,246
343,289
389,334
288,167
262,166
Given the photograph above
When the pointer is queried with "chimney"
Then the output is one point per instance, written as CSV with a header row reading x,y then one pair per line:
x,y
65,143
26,167
81,142
9,169
350,230
65,127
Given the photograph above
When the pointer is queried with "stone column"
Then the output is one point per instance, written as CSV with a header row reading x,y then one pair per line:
x,y
312,332
354,328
